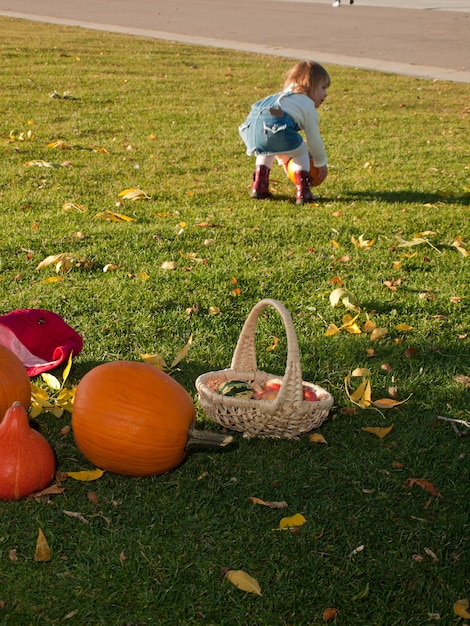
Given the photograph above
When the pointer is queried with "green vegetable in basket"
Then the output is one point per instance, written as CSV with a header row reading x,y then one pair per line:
x,y
236,389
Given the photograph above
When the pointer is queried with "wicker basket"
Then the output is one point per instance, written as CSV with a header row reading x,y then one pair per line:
x,y
289,415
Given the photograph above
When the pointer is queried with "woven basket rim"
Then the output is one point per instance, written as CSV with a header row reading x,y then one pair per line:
x,y
230,374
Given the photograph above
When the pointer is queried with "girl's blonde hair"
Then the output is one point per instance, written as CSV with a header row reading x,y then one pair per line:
x,y
305,76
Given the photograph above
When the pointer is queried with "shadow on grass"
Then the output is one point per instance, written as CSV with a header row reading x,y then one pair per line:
x,y
373,195
405,195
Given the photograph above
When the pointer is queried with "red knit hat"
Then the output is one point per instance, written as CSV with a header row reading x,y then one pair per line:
x,y
40,339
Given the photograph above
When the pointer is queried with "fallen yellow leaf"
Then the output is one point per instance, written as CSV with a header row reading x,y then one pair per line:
x,y
362,395
273,346
388,403
361,242
243,581
460,608
403,327
112,216
51,381
343,296
86,475
62,145
52,279
63,261
43,552
378,431
349,324
154,359
133,194
290,522
361,371
331,330
317,438
183,352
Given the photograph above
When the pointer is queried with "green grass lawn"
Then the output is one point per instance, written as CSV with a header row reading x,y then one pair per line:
x,y
110,112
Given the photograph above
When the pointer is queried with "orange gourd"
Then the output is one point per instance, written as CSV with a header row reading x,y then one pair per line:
x,y
27,461
313,172
15,385
131,418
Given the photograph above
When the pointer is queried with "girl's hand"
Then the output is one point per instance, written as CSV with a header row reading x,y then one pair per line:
x,y
319,175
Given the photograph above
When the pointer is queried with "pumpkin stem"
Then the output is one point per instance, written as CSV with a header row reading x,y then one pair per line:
x,y
204,439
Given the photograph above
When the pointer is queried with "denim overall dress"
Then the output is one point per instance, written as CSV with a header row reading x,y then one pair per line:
x,y
268,129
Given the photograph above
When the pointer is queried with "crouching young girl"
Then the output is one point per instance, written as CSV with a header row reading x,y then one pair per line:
x,y
272,130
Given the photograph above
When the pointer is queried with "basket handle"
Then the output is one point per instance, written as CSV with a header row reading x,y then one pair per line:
x,y
244,357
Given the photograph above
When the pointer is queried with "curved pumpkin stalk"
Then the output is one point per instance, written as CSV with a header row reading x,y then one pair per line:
x,y
206,439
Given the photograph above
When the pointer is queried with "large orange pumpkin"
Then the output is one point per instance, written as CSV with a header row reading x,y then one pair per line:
x,y
15,385
131,418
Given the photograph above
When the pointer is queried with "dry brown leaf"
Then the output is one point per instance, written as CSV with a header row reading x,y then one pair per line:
x,y
53,490
392,284
348,410
411,352
424,484
92,497
430,553
268,503
356,550
369,326
76,515
463,380
378,333
330,614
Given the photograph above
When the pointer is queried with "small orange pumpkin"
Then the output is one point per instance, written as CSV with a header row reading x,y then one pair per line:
x,y
131,418
27,460
313,172
15,385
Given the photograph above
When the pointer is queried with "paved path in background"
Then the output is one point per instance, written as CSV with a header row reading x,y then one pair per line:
x,y
430,40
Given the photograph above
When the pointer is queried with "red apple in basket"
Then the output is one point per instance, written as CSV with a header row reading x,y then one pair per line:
x,y
310,395
266,394
273,384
